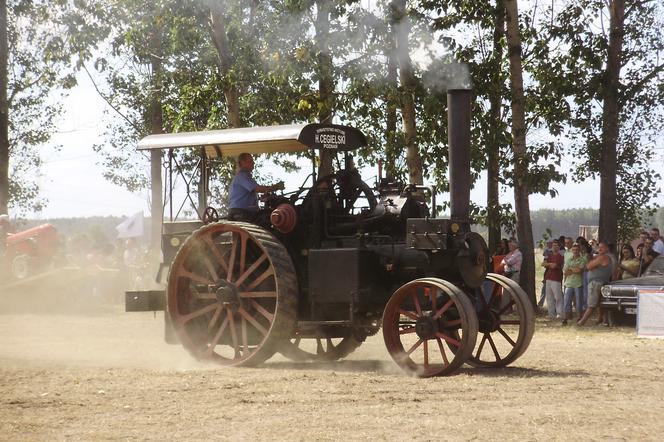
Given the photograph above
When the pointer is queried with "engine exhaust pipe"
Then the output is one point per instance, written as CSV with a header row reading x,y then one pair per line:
x,y
458,137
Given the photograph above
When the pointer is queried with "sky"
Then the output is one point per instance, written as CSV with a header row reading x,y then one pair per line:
x,y
72,179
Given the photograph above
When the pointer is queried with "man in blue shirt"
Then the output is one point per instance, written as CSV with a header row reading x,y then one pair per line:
x,y
242,194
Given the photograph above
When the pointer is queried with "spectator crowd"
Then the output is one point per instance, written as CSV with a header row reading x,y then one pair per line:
x,y
575,271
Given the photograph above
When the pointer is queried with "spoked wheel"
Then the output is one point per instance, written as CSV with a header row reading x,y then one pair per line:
x,y
232,294
319,349
506,324
210,215
345,188
424,316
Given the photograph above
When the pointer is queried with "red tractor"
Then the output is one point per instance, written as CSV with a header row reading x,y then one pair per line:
x,y
28,252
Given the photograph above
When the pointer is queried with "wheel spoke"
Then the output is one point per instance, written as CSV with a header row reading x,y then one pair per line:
x,y
194,277
481,346
414,347
250,270
269,316
258,294
408,314
407,330
443,309
207,296
245,314
493,294
442,351
506,336
418,308
261,278
218,335
215,317
245,343
506,308
210,268
236,346
195,314
243,252
231,261
449,339
215,251
426,353
452,323
493,347
433,294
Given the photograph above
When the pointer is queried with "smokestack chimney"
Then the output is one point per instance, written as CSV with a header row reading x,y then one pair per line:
x,y
458,131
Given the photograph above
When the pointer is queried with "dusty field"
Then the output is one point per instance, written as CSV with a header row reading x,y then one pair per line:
x,y
109,376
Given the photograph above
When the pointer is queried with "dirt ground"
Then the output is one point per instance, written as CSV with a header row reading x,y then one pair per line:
x,y
108,375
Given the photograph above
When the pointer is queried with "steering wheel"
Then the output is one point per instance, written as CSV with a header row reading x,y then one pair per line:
x,y
210,215
344,188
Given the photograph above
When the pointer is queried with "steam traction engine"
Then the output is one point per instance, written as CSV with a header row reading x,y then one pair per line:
x,y
322,268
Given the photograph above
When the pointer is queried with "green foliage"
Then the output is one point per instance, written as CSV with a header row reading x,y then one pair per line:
x,y
459,19
571,72
275,67
38,59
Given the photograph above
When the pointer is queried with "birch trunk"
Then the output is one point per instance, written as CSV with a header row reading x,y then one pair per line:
x,y
521,191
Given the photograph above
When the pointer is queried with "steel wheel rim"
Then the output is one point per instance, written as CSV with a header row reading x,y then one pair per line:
x,y
233,324
417,324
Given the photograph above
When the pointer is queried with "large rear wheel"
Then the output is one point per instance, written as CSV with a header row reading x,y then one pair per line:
x,y
423,317
232,294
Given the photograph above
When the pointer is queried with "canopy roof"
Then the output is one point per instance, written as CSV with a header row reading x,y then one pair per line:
x,y
259,140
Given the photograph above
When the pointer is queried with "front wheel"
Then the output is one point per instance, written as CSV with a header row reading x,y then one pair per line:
x,y
506,323
423,317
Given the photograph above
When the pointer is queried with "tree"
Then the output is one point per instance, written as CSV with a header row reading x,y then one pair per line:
x,y
215,73
608,205
497,135
218,29
324,71
521,190
407,83
34,63
609,82
4,111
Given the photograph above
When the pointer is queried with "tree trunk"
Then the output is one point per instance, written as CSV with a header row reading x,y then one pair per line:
x,y
391,106
156,118
224,61
493,148
608,208
4,111
521,191
407,80
325,78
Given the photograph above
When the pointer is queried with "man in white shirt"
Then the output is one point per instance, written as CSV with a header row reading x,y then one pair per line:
x,y
657,243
